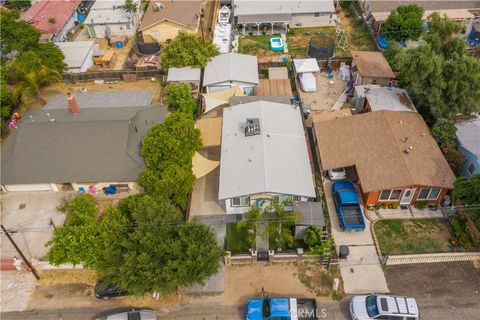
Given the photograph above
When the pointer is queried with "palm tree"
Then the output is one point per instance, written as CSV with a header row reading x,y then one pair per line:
x,y
29,75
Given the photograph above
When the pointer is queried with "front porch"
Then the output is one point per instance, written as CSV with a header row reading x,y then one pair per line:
x,y
263,24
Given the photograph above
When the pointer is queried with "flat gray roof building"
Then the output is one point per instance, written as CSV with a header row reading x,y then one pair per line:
x,y
386,98
269,7
187,74
275,161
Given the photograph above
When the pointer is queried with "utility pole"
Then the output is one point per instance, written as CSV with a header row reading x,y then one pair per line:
x,y
32,268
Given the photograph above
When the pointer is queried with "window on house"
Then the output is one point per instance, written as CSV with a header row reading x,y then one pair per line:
x,y
471,168
429,194
317,14
390,195
240,201
286,199
155,34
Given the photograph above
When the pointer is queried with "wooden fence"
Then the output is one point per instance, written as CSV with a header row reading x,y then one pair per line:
x,y
112,75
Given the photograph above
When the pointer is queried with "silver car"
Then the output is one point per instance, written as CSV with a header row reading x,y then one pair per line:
x,y
377,306
143,314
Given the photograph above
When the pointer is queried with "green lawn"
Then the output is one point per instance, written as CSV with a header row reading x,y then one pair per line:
x,y
413,236
298,38
251,44
237,240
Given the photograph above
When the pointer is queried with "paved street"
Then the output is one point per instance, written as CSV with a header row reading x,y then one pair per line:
x,y
431,309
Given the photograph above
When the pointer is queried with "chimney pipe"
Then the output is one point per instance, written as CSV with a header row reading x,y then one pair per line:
x,y
72,103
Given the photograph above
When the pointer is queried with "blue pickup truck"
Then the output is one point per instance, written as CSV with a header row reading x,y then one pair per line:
x,y
281,308
348,206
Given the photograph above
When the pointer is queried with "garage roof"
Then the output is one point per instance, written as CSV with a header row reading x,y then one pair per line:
x,y
97,145
75,52
231,67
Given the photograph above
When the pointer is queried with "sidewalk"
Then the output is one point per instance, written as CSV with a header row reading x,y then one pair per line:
x,y
17,288
361,271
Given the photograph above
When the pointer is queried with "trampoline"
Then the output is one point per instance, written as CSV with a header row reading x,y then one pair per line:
x,y
321,47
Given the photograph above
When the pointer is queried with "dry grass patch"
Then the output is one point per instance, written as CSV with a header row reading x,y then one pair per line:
x,y
62,277
319,281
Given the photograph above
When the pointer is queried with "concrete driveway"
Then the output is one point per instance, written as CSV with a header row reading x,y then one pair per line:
x,y
28,215
361,271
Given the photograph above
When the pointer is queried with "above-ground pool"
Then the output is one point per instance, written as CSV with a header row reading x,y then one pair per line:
x,y
276,44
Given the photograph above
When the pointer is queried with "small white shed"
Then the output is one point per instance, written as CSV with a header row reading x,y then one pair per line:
x,y
305,65
78,55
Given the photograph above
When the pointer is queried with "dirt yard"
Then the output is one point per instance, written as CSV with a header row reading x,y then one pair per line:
x,y
62,87
456,280
75,289
243,282
328,92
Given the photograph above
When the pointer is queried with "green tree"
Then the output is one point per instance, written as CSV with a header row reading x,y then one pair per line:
x,y
51,56
404,23
79,210
444,132
84,240
179,97
20,4
187,50
30,74
175,140
280,223
161,253
249,223
130,7
468,191
174,182
421,73
393,55
5,102
440,35
16,34
313,236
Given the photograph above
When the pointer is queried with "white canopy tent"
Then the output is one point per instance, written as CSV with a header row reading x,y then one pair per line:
x,y
305,65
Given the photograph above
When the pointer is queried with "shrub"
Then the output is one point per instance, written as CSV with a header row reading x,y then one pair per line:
x,y
420,205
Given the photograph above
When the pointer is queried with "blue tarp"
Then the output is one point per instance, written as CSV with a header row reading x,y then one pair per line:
x,y
383,42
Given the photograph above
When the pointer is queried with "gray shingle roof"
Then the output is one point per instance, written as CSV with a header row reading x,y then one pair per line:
x,y
276,161
99,144
247,7
231,67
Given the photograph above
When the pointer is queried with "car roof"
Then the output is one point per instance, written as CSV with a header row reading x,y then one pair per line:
x,y
397,305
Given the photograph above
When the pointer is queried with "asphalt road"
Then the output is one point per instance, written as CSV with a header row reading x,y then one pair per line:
x,y
434,309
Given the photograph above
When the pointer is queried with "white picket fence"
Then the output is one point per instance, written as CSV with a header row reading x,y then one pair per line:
x,y
431,258
43,265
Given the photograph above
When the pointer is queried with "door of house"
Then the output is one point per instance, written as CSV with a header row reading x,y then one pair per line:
x,y
407,196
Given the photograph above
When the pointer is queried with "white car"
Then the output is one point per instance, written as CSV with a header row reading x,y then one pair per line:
x,y
376,306
337,174
308,83
142,314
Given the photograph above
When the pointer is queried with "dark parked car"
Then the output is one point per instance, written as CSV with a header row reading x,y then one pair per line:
x,y
104,290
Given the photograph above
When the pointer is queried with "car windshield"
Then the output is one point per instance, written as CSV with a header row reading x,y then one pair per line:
x,y
338,170
372,309
134,316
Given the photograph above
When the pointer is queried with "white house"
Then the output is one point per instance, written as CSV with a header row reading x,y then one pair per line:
x,y
229,70
78,55
276,16
108,18
263,156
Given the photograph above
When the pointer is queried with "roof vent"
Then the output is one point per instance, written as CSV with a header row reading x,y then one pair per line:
x,y
408,150
158,6
252,127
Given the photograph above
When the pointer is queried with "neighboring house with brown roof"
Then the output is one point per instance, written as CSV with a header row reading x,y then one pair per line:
x,y
164,20
393,153
370,67
377,12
